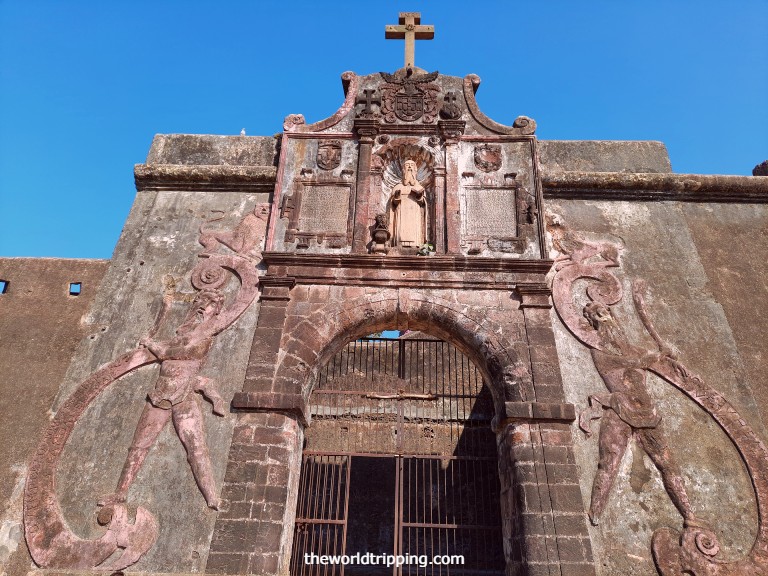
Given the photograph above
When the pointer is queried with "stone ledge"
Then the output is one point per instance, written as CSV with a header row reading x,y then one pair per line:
x,y
651,186
431,263
534,412
444,272
291,404
206,178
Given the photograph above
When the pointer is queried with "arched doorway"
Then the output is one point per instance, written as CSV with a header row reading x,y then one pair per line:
x,y
399,459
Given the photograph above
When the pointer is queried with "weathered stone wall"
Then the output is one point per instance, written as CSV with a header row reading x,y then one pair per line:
x,y
603,156
705,272
157,250
483,289
41,324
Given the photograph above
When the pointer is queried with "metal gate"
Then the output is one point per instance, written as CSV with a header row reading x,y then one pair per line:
x,y
399,460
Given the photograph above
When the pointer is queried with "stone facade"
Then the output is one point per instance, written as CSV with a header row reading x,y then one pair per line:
x,y
565,271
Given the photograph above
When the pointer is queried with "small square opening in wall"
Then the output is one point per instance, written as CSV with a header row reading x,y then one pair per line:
x,y
4,286
75,288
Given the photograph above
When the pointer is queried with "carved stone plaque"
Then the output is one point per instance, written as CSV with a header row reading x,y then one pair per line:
x,y
324,209
490,212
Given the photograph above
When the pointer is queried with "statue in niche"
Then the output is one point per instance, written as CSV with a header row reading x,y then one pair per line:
x,y
173,398
409,209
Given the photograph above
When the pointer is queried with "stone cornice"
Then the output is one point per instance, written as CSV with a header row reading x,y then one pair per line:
x,y
407,271
205,178
651,186
430,263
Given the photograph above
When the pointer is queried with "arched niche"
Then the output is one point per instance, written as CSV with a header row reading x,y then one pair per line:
x,y
390,163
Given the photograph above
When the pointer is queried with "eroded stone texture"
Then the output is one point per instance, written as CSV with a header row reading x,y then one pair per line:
x,y
603,156
40,326
209,150
147,265
657,246
731,242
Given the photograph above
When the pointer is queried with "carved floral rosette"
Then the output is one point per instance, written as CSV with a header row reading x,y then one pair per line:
x,y
694,550
51,542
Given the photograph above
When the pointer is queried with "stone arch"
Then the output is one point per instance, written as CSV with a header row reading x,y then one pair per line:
x,y
316,338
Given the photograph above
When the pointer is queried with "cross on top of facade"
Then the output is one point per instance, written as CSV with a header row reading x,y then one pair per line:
x,y
410,29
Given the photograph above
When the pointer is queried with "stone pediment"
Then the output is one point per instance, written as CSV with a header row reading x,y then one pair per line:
x,y
410,99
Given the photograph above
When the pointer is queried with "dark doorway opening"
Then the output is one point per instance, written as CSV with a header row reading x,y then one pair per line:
x,y
400,460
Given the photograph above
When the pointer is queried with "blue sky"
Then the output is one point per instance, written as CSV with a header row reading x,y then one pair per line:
x,y
84,86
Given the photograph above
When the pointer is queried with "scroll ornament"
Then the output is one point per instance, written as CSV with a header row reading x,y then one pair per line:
x,y
51,542
627,410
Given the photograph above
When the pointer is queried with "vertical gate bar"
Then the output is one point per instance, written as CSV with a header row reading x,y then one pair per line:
x,y
317,466
397,518
324,529
439,463
462,500
409,479
346,509
334,513
456,520
401,359
324,495
310,506
480,502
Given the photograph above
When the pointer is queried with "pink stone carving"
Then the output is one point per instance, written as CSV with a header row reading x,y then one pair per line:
x,y
628,409
520,127
296,123
50,541
409,209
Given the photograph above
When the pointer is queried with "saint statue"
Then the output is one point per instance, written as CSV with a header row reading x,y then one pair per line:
x,y
409,210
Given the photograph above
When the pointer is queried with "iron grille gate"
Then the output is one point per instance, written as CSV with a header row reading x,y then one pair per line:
x,y
399,459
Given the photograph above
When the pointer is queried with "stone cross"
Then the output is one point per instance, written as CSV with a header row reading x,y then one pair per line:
x,y
410,29
368,99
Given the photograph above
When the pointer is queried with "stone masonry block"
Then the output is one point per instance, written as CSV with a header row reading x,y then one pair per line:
x,y
531,569
568,569
562,473
559,455
566,498
571,525
266,343
241,453
532,524
227,563
235,510
233,492
546,392
271,315
233,536
264,564
570,549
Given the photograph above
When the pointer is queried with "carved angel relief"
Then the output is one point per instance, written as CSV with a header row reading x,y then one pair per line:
x,y
175,397
628,410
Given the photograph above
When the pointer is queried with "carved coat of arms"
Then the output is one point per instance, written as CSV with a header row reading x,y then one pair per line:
x,y
329,154
409,98
488,157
